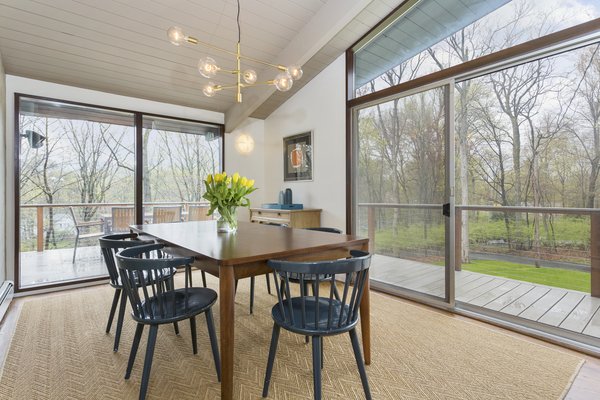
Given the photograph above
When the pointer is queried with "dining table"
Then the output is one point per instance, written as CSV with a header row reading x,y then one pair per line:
x,y
244,253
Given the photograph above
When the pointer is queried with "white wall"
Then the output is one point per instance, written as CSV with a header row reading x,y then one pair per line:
x,y
3,114
319,106
15,84
251,165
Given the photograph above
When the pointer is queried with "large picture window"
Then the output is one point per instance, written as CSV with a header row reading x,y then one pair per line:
x,y
77,181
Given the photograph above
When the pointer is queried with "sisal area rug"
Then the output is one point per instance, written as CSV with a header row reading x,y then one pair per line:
x,y
60,351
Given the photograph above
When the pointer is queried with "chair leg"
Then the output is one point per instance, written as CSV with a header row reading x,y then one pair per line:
x,y
203,279
360,363
316,350
193,329
171,286
148,360
252,280
75,247
113,308
213,342
120,320
272,351
268,283
134,348
306,338
322,358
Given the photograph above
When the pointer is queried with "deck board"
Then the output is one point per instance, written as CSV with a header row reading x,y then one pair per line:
x,y
579,318
509,297
556,315
523,302
494,293
593,327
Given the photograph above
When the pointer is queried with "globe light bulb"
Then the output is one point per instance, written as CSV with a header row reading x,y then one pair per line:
x,y
295,72
207,67
250,76
283,82
210,89
175,35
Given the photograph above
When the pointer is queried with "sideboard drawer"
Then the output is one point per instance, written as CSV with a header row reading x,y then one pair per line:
x,y
307,218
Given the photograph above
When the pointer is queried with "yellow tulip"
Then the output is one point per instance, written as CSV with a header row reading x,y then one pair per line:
x,y
228,180
209,178
250,183
244,181
218,178
224,174
236,177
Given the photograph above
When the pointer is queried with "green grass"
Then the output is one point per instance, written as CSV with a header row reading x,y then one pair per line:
x,y
555,277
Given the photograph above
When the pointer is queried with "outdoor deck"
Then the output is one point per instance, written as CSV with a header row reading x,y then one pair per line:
x,y
568,309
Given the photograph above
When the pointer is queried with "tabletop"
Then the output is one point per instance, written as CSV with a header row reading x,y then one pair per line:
x,y
251,242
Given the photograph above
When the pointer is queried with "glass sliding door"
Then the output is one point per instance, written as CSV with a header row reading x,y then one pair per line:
x,y
75,163
404,177
178,155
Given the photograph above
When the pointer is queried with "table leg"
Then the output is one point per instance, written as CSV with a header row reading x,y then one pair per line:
x,y
226,302
365,320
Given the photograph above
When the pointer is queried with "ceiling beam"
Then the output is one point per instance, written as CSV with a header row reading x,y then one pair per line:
x,y
320,30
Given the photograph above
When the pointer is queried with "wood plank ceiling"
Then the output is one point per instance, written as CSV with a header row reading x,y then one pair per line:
x,y
120,46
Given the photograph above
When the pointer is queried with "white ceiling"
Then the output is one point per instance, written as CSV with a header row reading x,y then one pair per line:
x,y
120,46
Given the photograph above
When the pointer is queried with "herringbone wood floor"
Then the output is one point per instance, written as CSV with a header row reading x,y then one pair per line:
x,y
60,351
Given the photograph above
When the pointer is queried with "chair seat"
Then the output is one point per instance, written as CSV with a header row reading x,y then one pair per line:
x,y
176,305
310,305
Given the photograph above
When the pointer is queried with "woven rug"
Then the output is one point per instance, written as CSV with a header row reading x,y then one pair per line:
x,y
60,351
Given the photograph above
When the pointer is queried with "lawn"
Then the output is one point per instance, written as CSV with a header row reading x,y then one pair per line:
x,y
555,277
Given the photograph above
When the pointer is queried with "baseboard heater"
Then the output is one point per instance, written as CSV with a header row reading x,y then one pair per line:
x,y
7,291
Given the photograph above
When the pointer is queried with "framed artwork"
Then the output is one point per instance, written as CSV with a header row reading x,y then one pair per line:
x,y
298,157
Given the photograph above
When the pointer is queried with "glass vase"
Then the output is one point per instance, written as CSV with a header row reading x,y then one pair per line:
x,y
227,221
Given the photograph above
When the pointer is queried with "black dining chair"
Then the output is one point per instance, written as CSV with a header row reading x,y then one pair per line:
x,y
158,302
307,282
318,316
110,245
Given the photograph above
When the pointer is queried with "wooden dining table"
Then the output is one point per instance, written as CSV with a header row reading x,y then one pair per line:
x,y
233,256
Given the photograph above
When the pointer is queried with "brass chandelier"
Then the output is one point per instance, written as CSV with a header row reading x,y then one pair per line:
x,y
208,67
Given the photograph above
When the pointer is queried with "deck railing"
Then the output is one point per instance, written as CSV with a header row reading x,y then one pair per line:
x,y
594,215
41,206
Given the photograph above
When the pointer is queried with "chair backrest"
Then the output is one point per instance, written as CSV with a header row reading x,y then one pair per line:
x,y
122,217
322,314
141,267
198,213
324,229
111,244
166,214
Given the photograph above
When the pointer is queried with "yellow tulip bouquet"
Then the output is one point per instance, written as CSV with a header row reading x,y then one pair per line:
x,y
225,194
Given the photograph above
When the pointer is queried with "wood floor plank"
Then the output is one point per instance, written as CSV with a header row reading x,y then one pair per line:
x,y
560,310
509,297
520,304
579,318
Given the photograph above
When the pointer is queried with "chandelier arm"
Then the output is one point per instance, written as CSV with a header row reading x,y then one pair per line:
x,y
243,85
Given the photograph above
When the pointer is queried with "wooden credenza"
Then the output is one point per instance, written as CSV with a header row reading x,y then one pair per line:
x,y
306,218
